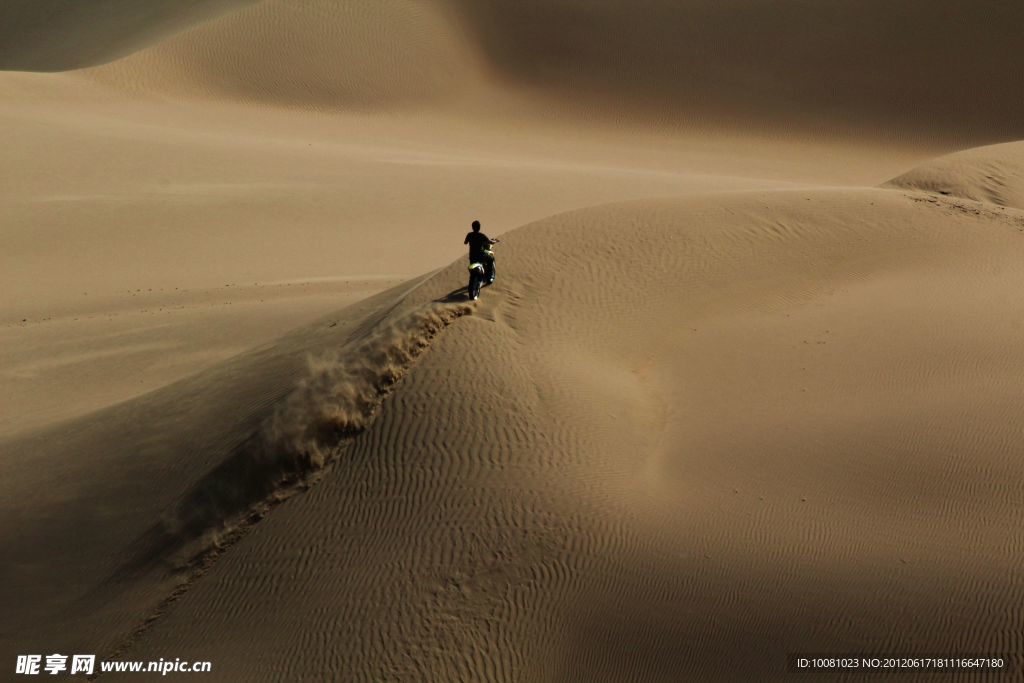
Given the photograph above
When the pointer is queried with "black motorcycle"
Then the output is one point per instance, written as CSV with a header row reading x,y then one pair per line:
x,y
481,274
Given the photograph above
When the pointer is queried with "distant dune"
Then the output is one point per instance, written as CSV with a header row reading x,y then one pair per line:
x,y
311,53
993,174
918,69
54,35
745,385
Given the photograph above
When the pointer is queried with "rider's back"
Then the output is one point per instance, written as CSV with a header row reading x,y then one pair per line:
x,y
477,242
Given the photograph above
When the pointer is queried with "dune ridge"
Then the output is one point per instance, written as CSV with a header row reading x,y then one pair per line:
x,y
303,434
992,174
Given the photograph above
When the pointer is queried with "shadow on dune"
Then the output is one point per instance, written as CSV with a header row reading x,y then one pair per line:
x,y
456,296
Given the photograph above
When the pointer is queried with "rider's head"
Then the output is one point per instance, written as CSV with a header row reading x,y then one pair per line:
x,y
476,226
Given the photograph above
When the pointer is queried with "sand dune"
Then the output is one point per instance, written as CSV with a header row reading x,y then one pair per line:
x,y
912,69
735,394
53,35
655,457
847,68
834,68
993,174
311,53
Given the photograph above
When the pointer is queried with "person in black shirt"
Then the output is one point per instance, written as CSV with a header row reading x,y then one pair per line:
x,y
478,243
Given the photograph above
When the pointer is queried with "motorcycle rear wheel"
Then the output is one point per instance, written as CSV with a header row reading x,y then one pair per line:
x,y
473,289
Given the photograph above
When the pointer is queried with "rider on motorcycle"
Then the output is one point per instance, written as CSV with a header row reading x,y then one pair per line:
x,y
478,250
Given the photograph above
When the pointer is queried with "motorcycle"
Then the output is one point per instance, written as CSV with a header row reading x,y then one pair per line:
x,y
481,274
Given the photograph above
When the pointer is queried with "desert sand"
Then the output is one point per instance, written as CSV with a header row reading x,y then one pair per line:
x,y
747,383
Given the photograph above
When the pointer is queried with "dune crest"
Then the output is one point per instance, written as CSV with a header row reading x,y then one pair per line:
x,y
332,404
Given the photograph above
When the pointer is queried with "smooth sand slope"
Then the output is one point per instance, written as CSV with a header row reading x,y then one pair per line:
x,y
735,394
742,425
